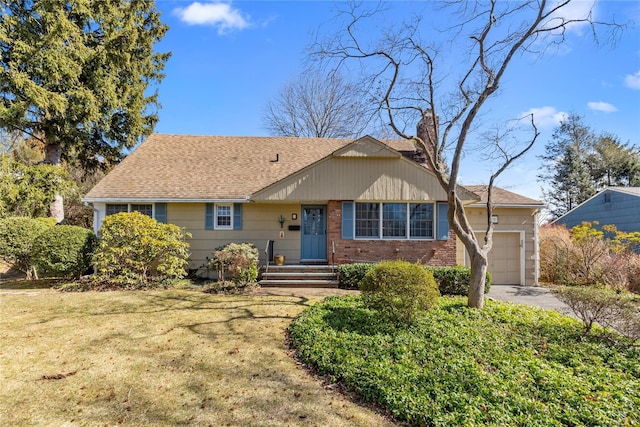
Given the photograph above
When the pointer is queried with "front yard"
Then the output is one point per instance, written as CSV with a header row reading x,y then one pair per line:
x,y
158,358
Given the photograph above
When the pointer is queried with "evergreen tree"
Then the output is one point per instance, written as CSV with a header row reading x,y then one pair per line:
x,y
578,164
614,163
566,170
79,77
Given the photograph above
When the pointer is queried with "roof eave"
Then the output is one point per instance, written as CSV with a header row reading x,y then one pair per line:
x,y
161,200
508,205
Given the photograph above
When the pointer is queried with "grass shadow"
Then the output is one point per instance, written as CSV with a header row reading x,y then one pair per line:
x,y
353,320
24,284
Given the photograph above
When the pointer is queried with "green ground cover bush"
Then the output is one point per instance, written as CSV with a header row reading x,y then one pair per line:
x,y
451,280
504,365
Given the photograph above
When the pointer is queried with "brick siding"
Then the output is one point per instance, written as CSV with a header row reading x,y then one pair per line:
x,y
431,252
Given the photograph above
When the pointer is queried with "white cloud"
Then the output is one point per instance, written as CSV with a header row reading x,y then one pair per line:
x,y
219,15
546,117
605,107
633,80
575,10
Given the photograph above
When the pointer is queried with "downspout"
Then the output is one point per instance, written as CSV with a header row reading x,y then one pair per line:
x,y
536,248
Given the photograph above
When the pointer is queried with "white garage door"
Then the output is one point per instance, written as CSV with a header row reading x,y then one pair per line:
x,y
504,259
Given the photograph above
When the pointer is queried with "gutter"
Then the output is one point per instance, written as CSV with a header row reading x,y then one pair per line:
x,y
159,200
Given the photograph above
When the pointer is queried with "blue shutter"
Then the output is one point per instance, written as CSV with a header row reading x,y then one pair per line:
x,y
208,216
161,212
237,216
347,220
442,232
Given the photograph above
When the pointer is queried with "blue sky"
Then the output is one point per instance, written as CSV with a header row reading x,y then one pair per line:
x,y
230,58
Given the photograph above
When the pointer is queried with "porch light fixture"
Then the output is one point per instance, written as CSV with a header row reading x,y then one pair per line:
x,y
494,219
281,220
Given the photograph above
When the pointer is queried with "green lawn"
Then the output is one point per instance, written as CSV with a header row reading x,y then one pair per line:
x,y
505,365
169,358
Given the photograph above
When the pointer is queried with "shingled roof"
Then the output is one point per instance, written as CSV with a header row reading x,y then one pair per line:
x,y
502,197
194,168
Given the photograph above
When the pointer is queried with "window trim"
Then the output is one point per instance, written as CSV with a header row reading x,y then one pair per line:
x,y
129,208
217,226
211,216
381,220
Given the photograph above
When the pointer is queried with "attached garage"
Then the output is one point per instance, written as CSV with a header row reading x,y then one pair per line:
x,y
504,260
513,259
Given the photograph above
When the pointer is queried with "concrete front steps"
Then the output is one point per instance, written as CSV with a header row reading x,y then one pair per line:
x,y
300,276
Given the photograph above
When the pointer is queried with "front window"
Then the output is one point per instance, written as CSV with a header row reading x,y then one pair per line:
x,y
421,220
117,208
143,209
114,208
394,220
367,219
394,223
223,216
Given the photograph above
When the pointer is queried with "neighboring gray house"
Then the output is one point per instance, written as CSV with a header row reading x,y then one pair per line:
x,y
619,206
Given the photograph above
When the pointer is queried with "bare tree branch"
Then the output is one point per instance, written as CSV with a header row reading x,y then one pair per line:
x,y
408,79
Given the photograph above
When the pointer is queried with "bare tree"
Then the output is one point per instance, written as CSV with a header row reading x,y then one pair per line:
x,y
412,80
317,105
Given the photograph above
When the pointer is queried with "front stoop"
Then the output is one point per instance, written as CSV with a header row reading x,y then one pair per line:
x,y
300,276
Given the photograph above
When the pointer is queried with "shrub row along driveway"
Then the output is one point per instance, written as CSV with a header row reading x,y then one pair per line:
x,y
159,358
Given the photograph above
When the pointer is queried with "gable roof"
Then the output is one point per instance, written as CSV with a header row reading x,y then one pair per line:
x,y
632,191
502,197
196,168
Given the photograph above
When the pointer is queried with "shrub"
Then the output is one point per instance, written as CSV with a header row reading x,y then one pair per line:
x,y
555,252
399,290
17,237
238,261
135,248
455,280
352,274
604,306
451,280
64,250
585,256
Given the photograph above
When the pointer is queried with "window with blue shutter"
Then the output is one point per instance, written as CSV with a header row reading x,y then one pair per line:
x,y
217,216
347,220
161,212
442,232
208,216
237,216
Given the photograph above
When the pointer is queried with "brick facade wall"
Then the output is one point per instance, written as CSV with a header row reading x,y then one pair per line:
x,y
431,252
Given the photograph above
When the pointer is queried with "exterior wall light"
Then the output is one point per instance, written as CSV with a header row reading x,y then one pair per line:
x,y
281,220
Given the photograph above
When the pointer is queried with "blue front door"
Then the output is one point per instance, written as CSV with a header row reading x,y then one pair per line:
x,y
314,233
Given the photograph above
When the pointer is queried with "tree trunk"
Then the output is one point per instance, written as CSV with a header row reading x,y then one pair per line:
x,y
479,265
52,156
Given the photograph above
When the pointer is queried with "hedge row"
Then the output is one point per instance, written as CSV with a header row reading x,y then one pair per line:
x,y
41,246
134,249
451,280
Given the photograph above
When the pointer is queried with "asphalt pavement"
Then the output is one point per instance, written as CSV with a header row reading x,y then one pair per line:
x,y
536,296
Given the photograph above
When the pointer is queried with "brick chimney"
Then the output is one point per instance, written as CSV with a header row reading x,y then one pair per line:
x,y
427,131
